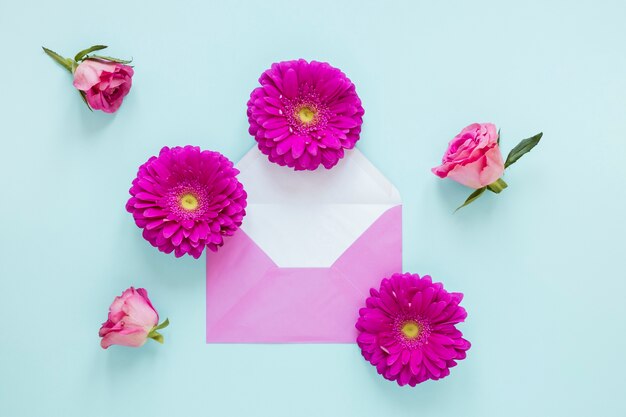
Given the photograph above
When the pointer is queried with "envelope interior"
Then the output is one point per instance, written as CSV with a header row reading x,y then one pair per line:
x,y
309,218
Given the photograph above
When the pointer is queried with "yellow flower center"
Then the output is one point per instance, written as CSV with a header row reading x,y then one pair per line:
x,y
411,330
306,114
189,202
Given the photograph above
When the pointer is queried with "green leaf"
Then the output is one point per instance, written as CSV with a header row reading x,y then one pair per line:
x,y
108,58
497,186
67,63
498,137
89,50
521,149
157,337
473,196
84,97
162,325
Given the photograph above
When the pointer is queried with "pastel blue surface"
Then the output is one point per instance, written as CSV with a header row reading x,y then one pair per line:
x,y
541,265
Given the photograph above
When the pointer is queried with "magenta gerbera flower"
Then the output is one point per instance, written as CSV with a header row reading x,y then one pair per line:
x,y
186,199
407,329
305,114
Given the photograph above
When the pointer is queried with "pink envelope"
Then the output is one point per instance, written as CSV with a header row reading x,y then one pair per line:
x,y
311,247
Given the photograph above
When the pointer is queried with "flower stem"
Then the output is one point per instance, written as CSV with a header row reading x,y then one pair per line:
x,y
497,186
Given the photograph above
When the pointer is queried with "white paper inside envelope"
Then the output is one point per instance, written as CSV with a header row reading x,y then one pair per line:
x,y
309,218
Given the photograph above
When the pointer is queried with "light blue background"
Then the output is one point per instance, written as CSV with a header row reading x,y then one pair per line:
x,y
541,265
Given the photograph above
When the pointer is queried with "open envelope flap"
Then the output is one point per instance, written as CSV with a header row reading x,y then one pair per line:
x,y
251,300
309,218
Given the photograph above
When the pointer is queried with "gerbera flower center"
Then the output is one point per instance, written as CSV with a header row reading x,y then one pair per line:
x,y
189,202
411,330
306,114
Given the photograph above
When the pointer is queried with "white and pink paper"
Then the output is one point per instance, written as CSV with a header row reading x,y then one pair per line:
x,y
311,246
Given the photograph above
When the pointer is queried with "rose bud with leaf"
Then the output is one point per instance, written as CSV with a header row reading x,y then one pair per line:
x,y
473,158
102,81
132,321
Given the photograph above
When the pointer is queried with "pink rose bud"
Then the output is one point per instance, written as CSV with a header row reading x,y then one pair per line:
x,y
105,84
132,320
102,81
473,157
